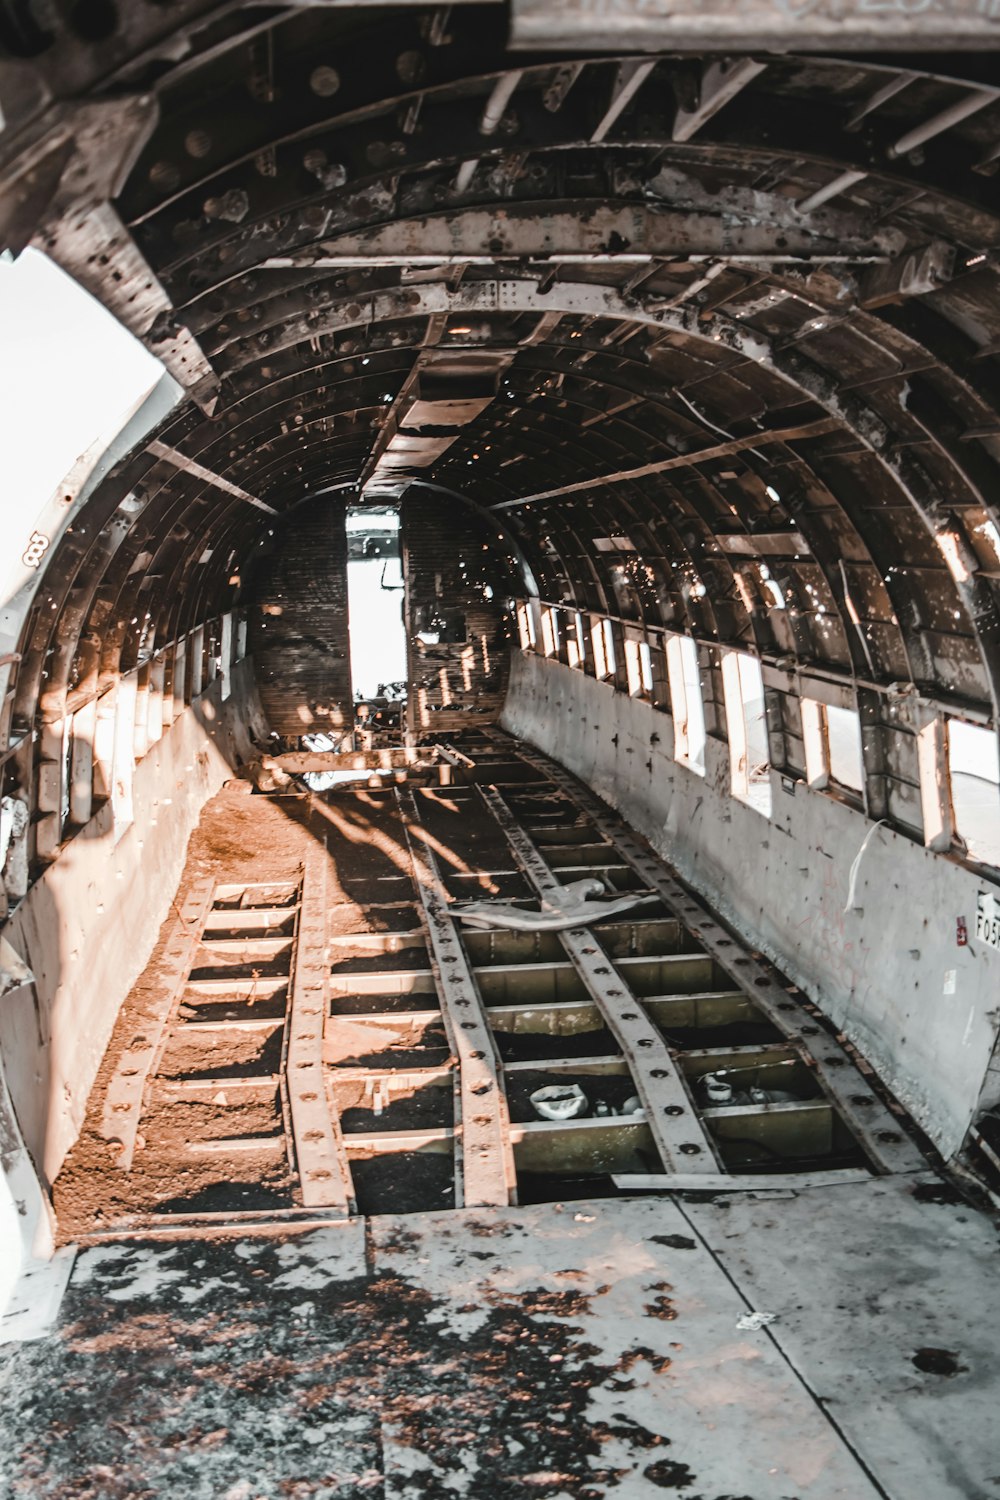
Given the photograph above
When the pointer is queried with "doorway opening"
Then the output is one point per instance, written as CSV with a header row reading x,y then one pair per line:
x,y
375,605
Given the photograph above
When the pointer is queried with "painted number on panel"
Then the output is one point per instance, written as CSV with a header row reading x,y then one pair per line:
x,y
36,549
988,919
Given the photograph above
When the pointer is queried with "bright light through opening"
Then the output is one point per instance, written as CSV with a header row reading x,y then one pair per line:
x,y
69,375
375,603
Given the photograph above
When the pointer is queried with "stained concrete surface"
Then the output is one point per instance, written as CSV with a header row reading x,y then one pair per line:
x,y
582,1350
889,1303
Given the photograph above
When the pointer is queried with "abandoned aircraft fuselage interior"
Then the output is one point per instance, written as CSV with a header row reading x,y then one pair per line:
x,y
499,787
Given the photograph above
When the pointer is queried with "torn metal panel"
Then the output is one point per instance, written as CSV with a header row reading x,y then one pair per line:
x,y
94,247
444,392
83,233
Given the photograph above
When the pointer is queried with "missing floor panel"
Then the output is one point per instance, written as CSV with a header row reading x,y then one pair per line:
x,y
322,1032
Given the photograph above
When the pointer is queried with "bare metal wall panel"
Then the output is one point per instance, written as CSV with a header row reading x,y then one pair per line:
x,y
299,623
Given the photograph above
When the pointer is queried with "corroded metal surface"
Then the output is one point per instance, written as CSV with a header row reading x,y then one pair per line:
x,y
886,1143
324,1175
483,1153
744,251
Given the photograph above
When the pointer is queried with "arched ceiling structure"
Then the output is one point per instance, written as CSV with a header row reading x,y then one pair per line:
x,y
716,339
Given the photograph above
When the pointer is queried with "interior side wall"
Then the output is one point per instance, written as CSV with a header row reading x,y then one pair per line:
x,y
87,927
922,1009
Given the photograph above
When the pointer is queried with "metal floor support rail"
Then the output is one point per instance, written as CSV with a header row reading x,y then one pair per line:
x,y
485,1161
679,1135
319,1143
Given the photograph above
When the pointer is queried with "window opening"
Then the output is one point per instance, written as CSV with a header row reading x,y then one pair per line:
x,y
609,646
576,648
602,636
8,812
748,748
686,702
550,632
598,640
375,603
638,667
832,738
65,749
843,727
645,667
974,772
525,626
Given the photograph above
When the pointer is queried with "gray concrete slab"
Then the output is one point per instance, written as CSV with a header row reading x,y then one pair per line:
x,y
862,1278
606,1339
575,1351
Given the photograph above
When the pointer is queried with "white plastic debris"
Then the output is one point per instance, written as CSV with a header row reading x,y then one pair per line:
x,y
577,904
752,1321
717,1090
559,1101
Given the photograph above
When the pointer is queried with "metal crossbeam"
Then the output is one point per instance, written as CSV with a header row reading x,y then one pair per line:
x,y
752,26
720,82
576,235
484,1163
683,461
629,79
198,471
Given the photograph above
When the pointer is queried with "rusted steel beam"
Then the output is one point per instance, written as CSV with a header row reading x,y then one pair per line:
x,y
685,461
190,466
393,758
319,1144
573,234
484,1163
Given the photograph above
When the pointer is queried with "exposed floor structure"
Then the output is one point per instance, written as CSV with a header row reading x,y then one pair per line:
x,y
686,1052
583,1350
793,1309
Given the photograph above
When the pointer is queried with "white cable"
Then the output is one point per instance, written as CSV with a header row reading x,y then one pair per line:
x,y
852,879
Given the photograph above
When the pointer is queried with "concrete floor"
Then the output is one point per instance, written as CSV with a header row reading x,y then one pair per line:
x,y
565,1350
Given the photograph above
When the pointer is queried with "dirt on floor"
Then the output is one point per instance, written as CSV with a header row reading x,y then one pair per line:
x,y
241,839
